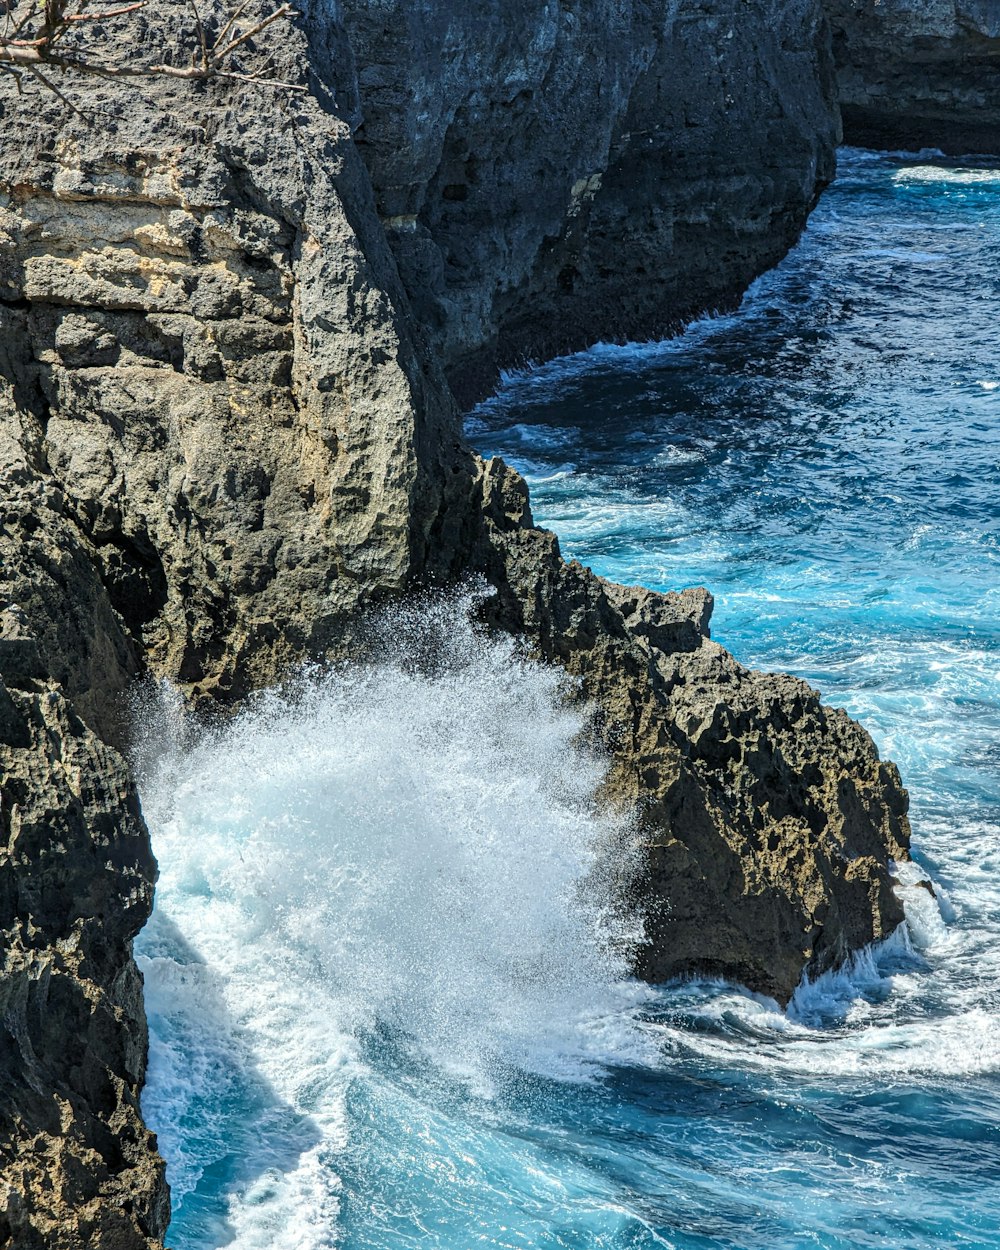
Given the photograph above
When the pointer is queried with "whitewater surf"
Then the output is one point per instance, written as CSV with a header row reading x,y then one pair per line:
x,y
386,975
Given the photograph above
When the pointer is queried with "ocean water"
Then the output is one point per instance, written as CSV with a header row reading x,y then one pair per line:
x,y
386,971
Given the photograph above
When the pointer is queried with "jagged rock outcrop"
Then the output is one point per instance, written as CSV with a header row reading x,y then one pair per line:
x,y
78,1168
919,73
554,174
225,430
770,818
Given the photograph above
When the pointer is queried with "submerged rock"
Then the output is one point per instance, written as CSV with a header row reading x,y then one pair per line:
x,y
919,73
226,429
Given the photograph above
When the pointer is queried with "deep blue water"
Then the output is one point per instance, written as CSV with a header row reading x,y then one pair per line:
x,y
380,1019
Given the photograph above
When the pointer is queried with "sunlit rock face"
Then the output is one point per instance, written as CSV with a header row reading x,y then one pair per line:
x,y
228,317
919,73
214,362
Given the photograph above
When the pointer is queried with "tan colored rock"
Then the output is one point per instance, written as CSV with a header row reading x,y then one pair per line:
x,y
224,433
226,400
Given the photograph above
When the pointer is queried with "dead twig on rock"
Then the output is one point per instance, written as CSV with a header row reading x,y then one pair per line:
x,y
32,33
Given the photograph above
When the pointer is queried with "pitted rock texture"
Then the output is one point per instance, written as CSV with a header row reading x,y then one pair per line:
x,y
230,402
78,1169
769,819
225,431
551,174
919,73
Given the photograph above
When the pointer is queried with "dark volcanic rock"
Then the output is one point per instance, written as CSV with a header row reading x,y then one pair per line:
x,y
554,174
919,73
770,820
78,1169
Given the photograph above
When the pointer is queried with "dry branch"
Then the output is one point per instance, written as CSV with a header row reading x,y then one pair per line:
x,y
28,44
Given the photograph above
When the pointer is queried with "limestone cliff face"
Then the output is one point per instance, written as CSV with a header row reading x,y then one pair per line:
x,y
554,174
77,1166
220,386
919,73
226,429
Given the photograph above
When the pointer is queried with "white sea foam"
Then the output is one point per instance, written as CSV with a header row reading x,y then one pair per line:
x,y
673,455
922,1004
543,437
946,175
384,846
402,845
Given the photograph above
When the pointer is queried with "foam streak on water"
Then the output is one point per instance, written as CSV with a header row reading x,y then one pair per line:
x,y
383,1016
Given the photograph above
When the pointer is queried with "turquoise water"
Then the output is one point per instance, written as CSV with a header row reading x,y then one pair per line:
x,y
382,1013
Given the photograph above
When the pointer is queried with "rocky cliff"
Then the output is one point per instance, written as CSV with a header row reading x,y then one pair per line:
x,y
228,314
919,73
77,1165
553,174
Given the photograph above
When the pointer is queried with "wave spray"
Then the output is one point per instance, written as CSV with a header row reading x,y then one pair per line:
x,y
405,854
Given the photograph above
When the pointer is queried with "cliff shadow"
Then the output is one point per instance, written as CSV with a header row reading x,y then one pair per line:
x,y
228,1136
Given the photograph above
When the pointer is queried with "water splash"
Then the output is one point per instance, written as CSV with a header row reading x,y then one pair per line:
x,y
410,845
826,460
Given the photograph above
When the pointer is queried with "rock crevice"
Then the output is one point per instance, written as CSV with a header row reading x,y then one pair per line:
x,y
231,324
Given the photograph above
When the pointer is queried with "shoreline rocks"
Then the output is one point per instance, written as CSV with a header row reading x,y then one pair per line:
x,y
78,1168
227,429
770,821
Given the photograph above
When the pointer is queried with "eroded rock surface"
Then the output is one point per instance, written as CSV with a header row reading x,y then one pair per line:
x,y
229,400
554,174
769,818
78,1168
226,431
919,73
